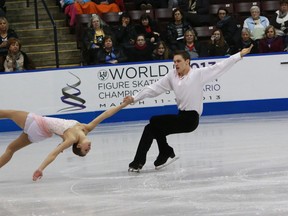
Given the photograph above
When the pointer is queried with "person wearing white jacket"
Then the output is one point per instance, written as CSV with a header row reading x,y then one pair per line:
x,y
280,21
187,84
256,24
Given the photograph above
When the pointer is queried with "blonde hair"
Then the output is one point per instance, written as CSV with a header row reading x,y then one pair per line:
x,y
192,31
5,20
267,29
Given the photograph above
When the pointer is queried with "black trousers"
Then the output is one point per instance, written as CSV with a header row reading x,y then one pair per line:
x,y
161,126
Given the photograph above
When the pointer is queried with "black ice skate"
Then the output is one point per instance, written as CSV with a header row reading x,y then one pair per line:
x,y
164,160
135,167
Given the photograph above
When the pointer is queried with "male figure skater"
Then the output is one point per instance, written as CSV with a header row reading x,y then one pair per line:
x,y
187,84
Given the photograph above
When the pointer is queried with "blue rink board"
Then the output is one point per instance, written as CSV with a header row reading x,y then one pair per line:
x,y
135,114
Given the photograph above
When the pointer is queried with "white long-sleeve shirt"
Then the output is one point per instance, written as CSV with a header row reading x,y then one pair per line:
x,y
188,89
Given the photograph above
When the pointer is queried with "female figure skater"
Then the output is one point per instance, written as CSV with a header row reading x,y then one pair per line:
x,y
37,128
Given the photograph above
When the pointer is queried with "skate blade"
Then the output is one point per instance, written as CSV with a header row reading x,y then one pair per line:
x,y
169,161
133,170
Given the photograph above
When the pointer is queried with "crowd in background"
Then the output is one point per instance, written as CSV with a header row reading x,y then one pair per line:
x,y
12,58
131,41
146,39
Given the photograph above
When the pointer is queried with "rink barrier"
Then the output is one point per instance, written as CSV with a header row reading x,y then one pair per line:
x,y
137,114
255,84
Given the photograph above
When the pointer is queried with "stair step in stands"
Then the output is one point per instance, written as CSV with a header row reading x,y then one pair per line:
x,y
39,43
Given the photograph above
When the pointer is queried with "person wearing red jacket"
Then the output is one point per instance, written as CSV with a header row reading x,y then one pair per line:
x,y
271,42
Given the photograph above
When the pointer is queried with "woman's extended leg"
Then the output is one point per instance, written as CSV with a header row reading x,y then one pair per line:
x,y
19,117
17,144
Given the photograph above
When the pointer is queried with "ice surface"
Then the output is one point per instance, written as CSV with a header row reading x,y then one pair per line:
x,y
231,165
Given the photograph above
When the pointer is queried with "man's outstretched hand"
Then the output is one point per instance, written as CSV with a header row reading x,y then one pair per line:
x,y
128,99
245,51
37,175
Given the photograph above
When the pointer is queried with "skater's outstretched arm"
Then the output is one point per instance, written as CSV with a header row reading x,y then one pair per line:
x,y
52,156
246,51
73,139
128,99
108,113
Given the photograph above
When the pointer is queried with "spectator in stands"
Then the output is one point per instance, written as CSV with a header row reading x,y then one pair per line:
x,y
142,50
93,38
227,24
148,27
65,3
192,45
125,32
280,21
256,24
161,51
218,46
5,34
105,6
245,42
74,7
176,29
196,11
271,42
110,54
16,60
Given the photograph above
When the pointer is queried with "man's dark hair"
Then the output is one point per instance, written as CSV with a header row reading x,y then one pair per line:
x,y
126,15
224,9
183,53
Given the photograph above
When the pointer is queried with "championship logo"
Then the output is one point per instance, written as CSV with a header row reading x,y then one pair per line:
x,y
71,96
103,75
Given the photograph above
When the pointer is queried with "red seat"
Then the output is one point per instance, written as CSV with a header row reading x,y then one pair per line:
x,y
268,8
214,8
242,10
136,14
130,6
111,18
244,7
270,5
82,23
163,16
204,32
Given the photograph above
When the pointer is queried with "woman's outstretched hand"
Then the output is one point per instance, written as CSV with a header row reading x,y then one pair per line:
x,y
245,51
37,175
128,99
